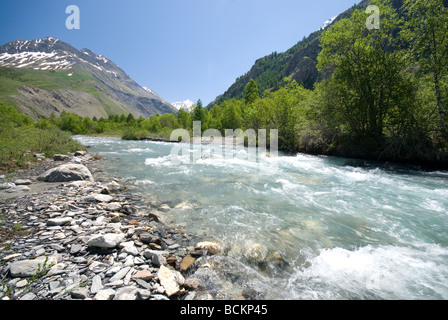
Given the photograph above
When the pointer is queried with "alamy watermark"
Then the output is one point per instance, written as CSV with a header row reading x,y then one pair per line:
x,y
373,21
246,145
73,21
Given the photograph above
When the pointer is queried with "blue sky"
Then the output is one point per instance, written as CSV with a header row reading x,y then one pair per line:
x,y
181,49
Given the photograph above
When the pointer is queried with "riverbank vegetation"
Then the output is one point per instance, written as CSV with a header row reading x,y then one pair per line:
x,y
21,139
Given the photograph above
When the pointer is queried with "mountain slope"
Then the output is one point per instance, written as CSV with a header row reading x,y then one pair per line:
x,y
48,75
299,62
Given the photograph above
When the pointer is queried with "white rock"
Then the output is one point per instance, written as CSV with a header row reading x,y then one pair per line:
x,y
18,189
59,221
126,293
97,284
23,182
67,172
170,280
27,268
109,240
96,197
132,250
105,294
6,185
120,274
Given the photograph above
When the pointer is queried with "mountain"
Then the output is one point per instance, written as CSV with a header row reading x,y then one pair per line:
x,y
298,63
186,104
47,76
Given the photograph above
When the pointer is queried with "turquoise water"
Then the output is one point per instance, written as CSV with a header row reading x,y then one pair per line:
x,y
301,227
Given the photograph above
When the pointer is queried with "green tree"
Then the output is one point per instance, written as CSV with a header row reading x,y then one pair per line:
x,y
426,32
231,114
251,92
367,72
199,114
130,118
184,119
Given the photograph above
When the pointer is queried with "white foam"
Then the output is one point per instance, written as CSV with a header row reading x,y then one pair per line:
x,y
139,150
387,272
144,182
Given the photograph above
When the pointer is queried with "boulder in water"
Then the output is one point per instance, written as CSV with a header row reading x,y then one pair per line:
x,y
66,173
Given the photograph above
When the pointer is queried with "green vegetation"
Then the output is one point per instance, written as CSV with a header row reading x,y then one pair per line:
x,y
20,139
12,79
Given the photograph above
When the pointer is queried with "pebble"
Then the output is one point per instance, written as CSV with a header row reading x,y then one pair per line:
x,y
22,182
91,254
105,294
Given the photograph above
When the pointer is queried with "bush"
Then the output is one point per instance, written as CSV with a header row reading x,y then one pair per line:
x,y
20,139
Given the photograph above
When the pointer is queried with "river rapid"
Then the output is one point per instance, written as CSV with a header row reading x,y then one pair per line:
x,y
299,227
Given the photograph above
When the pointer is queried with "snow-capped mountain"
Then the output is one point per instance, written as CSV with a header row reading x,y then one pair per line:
x,y
186,104
328,22
51,54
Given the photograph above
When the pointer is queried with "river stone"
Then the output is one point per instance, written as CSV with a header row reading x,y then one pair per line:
x,y
7,185
114,187
156,257
80,153
80,293
28,296
145,275
191,283
22,182
114,206
96,197
97,284
60,157
58,221
18,189
27,268
105,294
187,262
67,172
127,293
211,247
132,250
170,280
120,274
109,240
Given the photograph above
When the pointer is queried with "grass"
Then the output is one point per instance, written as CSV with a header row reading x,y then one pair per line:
x,y
18,145
20,140
11,79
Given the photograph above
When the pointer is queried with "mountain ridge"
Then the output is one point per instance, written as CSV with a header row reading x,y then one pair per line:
x,y
111,90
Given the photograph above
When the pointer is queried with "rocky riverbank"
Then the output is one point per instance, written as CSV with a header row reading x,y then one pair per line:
x,y
79,235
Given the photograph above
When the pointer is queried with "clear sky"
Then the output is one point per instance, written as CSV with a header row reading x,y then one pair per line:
x,y
182,49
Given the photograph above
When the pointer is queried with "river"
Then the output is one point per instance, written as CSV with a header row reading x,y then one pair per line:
x,y
301,226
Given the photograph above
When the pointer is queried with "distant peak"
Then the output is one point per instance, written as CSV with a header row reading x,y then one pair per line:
x,y
186,104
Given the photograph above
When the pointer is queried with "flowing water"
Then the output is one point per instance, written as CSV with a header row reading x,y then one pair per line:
x,y
301,227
